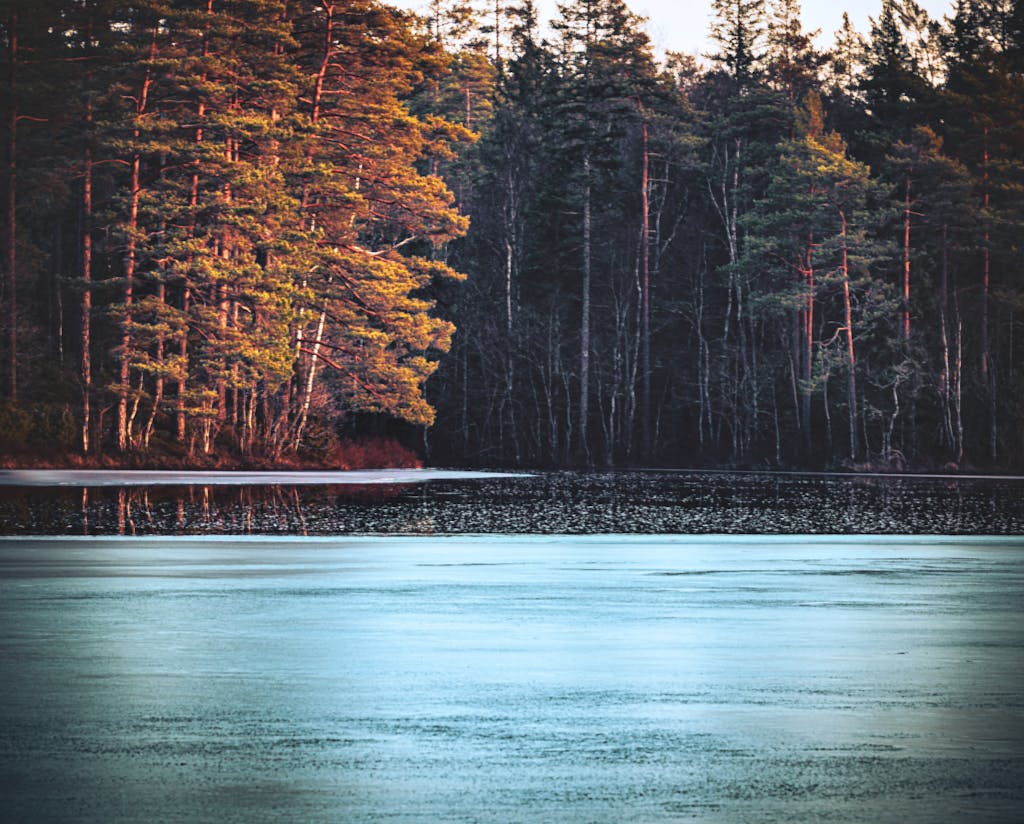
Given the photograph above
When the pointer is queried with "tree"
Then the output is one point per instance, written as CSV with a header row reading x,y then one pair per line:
x,y
738,30
810,249
793,64
606,60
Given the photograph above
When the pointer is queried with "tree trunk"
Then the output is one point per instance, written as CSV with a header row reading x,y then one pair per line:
x,y
183,365
511,247
987,371
645,310
86,363
906,262
851,380
307,392
126,334
123,434
12,218
585,317
946,380
808,350
958,380
186,296
158,391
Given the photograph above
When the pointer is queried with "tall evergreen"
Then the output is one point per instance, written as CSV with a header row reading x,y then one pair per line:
x,y
738,31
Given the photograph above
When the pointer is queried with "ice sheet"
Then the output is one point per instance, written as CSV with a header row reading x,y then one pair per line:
x,y
154,477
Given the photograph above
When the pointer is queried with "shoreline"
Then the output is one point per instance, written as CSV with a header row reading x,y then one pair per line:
x,y
32,477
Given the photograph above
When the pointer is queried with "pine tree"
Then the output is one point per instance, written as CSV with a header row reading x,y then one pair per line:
x,y
374,219
889,83
812,254
738,30
793,64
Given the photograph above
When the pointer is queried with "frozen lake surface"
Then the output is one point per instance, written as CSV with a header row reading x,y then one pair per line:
x,y
421,502
487,679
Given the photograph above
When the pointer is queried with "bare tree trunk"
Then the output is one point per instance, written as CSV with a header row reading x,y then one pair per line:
x,y
726,204
645,310
585,317
223,315
511,248
12,218
958,380
135,410
851,379
126,334
183,364
703,362
987,371
158,391
906,262
123,433
808,349
307,392
161,296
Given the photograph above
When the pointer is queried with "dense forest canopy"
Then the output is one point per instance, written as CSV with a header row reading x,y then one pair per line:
x,y
246,228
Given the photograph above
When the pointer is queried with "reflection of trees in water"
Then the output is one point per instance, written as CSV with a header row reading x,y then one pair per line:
x,y
560,503
162,510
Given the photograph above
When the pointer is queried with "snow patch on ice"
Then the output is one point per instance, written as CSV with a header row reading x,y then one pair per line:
x,y
147,477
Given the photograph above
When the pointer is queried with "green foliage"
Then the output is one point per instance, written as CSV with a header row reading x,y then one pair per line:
x,y
37,430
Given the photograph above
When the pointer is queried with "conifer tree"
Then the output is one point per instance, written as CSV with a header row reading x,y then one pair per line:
x,y
811,249
793,63
738,30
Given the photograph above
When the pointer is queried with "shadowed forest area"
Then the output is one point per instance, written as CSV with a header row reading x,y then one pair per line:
x,y
259,231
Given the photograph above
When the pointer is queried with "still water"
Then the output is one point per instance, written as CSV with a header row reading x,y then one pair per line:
x,y
533,678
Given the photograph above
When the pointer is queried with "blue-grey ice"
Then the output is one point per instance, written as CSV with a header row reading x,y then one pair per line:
x,y
512,679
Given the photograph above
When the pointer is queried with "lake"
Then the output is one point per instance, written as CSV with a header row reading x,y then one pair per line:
x,y
419,674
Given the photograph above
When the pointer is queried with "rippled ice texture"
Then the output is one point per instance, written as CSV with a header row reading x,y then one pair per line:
x,y
533,679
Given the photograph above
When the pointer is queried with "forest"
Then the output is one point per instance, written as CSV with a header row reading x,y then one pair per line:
x,y
243,232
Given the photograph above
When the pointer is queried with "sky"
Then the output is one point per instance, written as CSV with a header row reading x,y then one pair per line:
x,y
682,25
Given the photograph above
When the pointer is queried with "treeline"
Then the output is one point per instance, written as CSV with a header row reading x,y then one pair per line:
x,y
235,227
218,231
779,255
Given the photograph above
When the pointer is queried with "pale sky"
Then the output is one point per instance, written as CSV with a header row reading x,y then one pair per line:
x,y
682,25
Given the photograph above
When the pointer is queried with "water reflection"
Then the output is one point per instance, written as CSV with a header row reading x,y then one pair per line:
x,y
551,503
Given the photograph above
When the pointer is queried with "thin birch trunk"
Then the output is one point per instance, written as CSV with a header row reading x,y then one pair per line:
x,y
12,218
307,393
